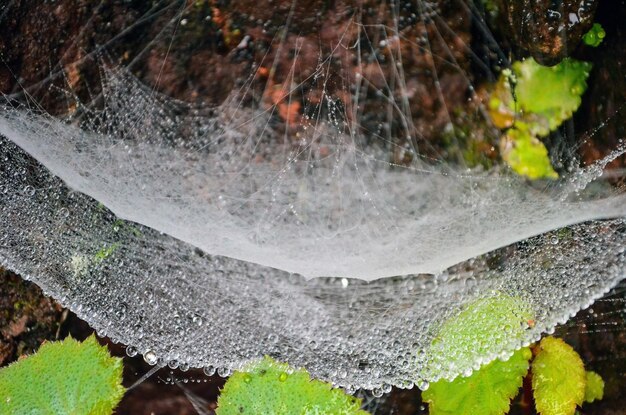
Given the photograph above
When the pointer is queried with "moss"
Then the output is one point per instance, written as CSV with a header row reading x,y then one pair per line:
x,y
105,252
468,139
594,36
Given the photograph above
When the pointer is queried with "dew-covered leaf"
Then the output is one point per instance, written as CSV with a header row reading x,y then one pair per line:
x,y
487,391
539,101
526,155
486,324
558,378
594,389
274,388
67,377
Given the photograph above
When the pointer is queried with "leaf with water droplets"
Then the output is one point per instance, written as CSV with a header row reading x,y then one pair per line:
x,y
65,377
490,323
558,378
268,387
487,391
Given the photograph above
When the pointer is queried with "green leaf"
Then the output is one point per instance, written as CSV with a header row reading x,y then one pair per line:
x,y
526,155
274,388
65,377
558,378
594,36
553,93
486,324
487,391
594,389
532,100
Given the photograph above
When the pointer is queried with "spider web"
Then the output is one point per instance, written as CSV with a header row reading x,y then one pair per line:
x,y
308,216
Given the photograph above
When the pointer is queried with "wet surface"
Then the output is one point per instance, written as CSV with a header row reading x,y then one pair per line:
x,y
218,47
598,334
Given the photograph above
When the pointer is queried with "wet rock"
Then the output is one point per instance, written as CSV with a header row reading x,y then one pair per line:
x,y
27,317
548,30
601,118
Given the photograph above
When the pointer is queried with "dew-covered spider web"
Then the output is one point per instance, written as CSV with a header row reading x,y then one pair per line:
x,y
209,184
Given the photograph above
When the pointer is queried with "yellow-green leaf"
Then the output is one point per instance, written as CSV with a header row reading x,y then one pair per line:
x,y
558,378
551,92
488,323
487,391
274,388
594,390
526,155
65,377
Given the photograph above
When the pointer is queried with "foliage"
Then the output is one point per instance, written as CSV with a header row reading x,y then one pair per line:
x,y
530,101
508,318
274,388
500,381
558,378
552,93
65,377
594,390
594,36
526,154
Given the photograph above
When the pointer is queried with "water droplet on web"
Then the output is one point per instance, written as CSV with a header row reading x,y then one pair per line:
x,y
422,384
131,351
430,284
150,358
29,191
196,319
223,372
470,282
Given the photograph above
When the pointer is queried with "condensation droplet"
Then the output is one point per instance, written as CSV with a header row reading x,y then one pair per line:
x,y
131,351
150,358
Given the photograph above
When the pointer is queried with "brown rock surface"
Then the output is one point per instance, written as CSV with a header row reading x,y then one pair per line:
x,y
27,317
